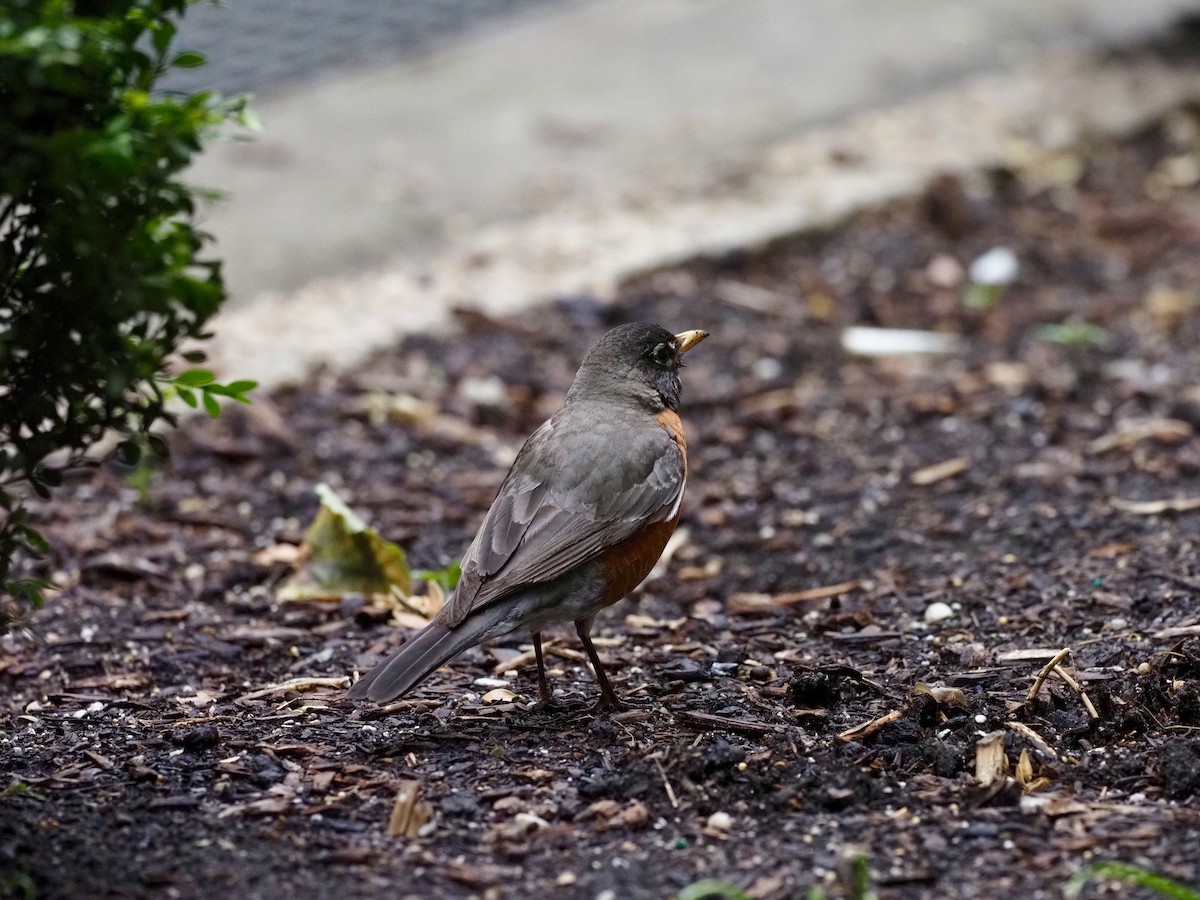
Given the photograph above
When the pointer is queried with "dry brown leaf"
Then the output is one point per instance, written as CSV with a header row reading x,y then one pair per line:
x,y
499,695
946,696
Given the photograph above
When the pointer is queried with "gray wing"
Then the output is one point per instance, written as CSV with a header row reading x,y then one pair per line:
x,y
564,502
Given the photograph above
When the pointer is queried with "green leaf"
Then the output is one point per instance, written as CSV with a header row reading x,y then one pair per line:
x,y
1119,871
712,889
158,446
189,59
1074,333
194,378
187,396
447,577
211,405
346,556
248,119
129,452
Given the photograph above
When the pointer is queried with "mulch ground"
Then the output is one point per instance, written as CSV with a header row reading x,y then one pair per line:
x,y
840,657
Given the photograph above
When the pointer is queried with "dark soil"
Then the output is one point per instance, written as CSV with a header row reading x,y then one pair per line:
x,y
145,757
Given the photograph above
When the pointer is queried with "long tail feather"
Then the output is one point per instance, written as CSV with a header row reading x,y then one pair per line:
x,y
420,657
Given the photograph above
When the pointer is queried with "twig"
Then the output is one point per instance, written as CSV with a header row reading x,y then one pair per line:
x,y
1034,738
398,596
666,781
858,732
295,684
517,663
1045,673
1077,688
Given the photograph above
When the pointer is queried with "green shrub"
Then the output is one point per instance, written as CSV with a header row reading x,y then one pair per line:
x,y
101,274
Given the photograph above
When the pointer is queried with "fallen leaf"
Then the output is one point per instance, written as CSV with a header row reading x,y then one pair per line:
x,y
499,695
345,556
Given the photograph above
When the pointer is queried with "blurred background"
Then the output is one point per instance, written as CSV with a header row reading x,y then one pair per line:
x,y
418,156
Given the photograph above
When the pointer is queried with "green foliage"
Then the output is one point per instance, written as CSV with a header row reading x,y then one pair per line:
x,y
712,889
101,274
1074,333
446,578
1135,875
17,884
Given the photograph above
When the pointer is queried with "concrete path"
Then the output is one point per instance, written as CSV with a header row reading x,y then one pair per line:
x,y
565,150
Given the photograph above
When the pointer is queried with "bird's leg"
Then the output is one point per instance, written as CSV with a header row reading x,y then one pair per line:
x,y
608,697
544,695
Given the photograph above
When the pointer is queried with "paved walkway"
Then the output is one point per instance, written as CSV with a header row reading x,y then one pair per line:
x,y
614,108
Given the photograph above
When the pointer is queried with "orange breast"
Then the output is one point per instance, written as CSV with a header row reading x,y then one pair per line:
x,y
627,563
669,419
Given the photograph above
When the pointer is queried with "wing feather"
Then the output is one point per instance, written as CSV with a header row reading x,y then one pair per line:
x,y
558,507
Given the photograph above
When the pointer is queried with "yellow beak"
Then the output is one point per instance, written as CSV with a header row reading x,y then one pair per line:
x,y
689,339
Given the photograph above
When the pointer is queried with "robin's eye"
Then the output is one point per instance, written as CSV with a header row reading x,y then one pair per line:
x,y
663,354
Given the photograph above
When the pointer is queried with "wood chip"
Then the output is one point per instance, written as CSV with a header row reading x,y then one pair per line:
x,y
858,732
1108,551
742,603
1169,431
991,762
296,684
481,876
713,721
409,812
1179,631
1038,742
939,471
1156,507
1029,654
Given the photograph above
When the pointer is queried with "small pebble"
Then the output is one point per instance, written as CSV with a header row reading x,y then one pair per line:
x,y
938,612
490,682
998,266
720,821
636,815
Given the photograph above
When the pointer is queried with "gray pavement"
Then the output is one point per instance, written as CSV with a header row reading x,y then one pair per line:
x,y
261,46
586,112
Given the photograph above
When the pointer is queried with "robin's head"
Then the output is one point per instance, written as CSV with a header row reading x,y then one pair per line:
x,y
639,363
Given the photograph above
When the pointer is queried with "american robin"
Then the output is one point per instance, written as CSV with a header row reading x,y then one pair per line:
x,y
581,518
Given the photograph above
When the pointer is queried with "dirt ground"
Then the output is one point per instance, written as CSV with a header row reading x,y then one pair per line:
x,y
878,557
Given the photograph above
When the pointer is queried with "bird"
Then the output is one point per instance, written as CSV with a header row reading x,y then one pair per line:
x,y
580,519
